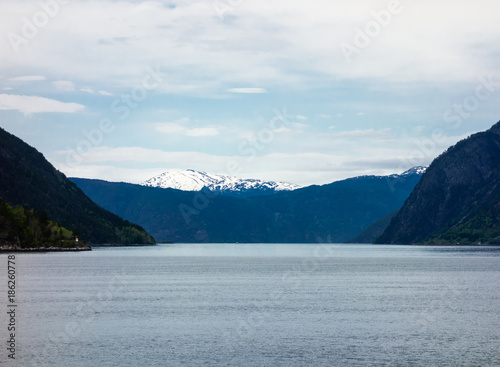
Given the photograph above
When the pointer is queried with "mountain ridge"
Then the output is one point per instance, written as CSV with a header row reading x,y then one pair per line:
x,y
191,180
27,179
334,212
458,198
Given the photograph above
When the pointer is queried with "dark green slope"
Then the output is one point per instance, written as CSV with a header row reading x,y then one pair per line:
x,y
338,211
374,231
457,199
22,229
29,180
207,217
330,213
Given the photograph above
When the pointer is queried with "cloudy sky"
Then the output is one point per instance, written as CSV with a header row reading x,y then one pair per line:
x,y
301,91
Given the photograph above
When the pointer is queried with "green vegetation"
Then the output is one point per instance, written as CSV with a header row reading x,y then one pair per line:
x,y
27,179
483,229
22,228
457,201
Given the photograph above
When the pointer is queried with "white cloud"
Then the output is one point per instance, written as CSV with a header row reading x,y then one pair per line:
x,y
247,90
110,173
135,164
301,117
34,104
170,128
265,43
299,125
28,78
202,131
297,166
64,85
101,92
370,133
138,154
279,48
179,127
7,88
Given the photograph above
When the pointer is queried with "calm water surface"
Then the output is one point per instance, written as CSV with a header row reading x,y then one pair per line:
x,y
256,305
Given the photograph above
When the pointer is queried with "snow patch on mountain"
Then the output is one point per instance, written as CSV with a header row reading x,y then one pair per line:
x,y
417,170
191,180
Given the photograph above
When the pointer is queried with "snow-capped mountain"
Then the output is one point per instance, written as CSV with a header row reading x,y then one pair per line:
x,y
190,180
417,170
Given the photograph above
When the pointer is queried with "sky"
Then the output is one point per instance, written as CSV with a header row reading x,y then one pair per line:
x,y
308,92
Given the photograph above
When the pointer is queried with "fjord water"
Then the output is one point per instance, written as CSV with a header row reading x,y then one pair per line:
x,y
258,305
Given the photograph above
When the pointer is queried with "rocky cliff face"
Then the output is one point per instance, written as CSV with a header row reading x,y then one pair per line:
x,y
457,198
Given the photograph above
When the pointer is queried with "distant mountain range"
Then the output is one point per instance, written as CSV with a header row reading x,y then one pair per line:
x,y
190,180
417,170
28,180
457,201
336,212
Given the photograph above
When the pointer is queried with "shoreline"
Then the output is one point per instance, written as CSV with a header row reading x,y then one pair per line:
x,y
6,249
120,245
45,249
